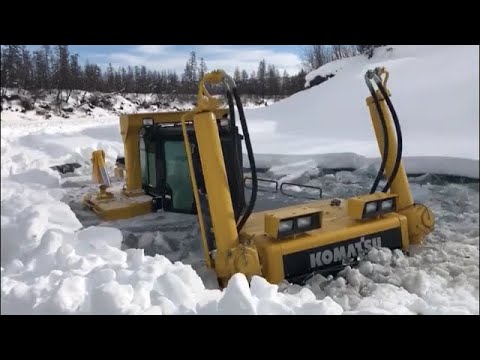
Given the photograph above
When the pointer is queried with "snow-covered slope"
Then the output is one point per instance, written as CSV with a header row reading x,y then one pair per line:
x,y
435,90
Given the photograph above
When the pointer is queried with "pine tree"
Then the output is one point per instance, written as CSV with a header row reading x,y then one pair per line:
x,y
261,78
142,82
130,81
186,77
273,81
12,63
285,87
110,78
117,81
61,70
202,69
193,67
3,79
76,73
25,70
173,82
48,66
237,76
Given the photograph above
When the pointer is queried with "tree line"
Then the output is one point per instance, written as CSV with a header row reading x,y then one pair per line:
x,y
56,68
315,56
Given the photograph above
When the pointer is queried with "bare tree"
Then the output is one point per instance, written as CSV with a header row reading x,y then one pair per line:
x,y
343,51
367,49
315,56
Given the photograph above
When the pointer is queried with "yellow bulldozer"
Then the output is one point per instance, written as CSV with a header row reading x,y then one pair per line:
x,y
192,162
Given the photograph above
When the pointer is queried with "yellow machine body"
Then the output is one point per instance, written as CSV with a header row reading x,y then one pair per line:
x,y
339,232
288,243
301,254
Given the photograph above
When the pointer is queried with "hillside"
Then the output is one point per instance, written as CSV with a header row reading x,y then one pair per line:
x,y
435,90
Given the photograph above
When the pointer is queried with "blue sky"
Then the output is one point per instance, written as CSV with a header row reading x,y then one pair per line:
x,y
174,57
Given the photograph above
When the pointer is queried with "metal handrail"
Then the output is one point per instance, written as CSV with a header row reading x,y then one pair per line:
x,y
301,186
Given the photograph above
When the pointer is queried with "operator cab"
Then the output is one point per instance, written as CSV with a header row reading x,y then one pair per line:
x,y
165,170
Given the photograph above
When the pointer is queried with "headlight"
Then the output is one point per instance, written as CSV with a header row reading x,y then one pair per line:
x,y
294,222
285,226
371,208
387,205
304,222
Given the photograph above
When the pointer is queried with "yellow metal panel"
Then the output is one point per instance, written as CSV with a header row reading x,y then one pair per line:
x,y
289,212
321,237
272,219
218,191
400,185
216,181
271,225
119,207
421,220
356,205
337,226
203,234
404,227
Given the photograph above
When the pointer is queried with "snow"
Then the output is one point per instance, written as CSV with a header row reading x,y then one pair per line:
x,y
303,164
53,263
435,90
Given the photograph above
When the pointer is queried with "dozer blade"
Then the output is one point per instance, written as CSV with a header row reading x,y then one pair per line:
x,y
119,206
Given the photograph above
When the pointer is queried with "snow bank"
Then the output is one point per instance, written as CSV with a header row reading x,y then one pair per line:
x,y
52,265
435,91
85,272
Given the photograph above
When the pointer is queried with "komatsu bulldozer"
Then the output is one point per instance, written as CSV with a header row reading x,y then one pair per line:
x,y
192,162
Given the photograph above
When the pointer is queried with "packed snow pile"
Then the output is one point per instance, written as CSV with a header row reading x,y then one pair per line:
x,y
53,262
435,91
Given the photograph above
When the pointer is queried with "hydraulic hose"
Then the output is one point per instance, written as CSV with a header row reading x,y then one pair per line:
x,y
231,108
251,160
398,130
368,77
237,165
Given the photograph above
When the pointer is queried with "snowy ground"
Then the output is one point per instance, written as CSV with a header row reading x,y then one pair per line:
x,y
59,259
